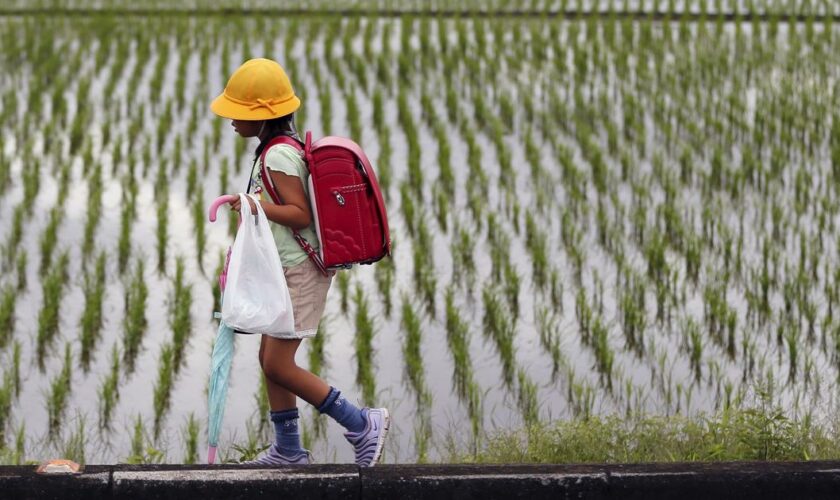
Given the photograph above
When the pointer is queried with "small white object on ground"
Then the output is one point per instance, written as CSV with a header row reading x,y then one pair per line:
x,y
59,466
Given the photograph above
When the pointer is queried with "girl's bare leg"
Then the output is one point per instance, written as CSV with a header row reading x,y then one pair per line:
x,y
285,379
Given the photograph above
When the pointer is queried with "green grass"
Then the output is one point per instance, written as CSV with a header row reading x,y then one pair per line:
x,y
734,434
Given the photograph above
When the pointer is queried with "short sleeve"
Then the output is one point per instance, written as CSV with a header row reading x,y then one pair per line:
x,y
285,158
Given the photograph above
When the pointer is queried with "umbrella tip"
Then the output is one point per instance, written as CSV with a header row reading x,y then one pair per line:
x,y
211,454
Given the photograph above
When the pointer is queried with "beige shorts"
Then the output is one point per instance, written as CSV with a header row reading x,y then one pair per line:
x,y
308,289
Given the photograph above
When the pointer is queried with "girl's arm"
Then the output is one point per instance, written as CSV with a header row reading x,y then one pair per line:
x,y
295,212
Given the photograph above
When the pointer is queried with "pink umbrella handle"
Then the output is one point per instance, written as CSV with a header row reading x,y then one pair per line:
x,y
221,200
211,454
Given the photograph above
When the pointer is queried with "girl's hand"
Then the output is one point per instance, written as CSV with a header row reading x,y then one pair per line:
x,y
236,205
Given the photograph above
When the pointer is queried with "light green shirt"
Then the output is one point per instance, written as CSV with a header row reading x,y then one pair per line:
x,y
288,160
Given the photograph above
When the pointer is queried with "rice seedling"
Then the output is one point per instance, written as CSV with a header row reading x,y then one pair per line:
x,y
425,279
536,243
163,386
463,263
162,228
92,320
190,437
21,263
250,449
142,449
192,180
414,371
53,289
318,365
457,336
325,98
261,400
18,455
408,208
363,343
134,324
49,238
527,399
446,177
180,318
59,391
198,210
7,394
353,116
415,173
8,299
441,208
124,243
74,447
549,332
604,356
384,275
343,281
109,393
15,375
633,320
511,289
94,210
499,328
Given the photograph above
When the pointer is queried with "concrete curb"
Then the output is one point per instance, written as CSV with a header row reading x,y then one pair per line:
x,y
735,480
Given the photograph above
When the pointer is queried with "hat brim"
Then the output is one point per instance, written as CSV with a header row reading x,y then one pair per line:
x,y
226,108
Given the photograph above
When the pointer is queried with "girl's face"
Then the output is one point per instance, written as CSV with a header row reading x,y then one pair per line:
x,y
247,128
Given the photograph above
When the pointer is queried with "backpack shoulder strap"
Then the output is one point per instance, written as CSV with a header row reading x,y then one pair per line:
x,y
278,200
266,178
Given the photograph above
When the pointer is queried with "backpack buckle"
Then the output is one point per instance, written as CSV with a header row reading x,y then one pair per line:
x,y
339,198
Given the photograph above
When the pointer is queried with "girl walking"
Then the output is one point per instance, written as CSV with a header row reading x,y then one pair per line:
x,y
260,101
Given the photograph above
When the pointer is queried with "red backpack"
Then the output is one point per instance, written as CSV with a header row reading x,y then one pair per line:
x,y
346,203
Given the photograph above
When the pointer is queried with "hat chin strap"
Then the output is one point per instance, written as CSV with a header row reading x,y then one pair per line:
x,y
262,127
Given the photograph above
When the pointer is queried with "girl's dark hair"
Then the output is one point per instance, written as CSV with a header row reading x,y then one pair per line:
x,y
285,125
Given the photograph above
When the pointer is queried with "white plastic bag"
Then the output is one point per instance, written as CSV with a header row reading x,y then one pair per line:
x,y
256,297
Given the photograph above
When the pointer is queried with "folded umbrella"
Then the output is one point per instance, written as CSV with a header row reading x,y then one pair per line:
x,y
221,359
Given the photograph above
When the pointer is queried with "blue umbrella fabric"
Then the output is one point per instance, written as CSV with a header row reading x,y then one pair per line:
x,y
220,362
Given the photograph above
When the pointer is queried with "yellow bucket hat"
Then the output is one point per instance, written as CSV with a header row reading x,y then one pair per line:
x,y
257,90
